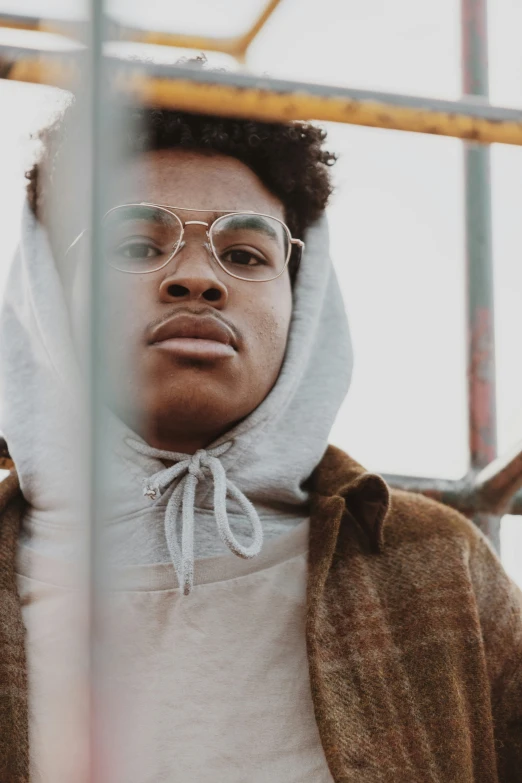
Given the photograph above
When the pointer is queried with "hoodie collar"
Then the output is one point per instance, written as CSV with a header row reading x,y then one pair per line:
x,y
339,482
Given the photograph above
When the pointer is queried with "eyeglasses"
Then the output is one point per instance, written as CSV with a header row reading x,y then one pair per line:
x,y
141,238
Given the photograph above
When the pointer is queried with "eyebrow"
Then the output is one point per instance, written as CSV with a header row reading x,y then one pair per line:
x,y
256,221
246,220
142,211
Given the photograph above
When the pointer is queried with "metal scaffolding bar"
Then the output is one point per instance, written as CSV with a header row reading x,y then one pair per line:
x,y
244,95
98,466
479,263
493,491
498,482
235,46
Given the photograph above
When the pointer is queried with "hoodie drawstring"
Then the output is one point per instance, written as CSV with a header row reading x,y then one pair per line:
x,y
191,469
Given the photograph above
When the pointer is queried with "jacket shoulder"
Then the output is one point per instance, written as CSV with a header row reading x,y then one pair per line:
x,y
389,516
415,517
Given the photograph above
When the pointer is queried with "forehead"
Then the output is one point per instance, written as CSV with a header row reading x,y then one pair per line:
x,y
195,180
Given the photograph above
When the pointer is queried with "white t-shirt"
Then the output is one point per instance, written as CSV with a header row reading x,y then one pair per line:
x,y
208,688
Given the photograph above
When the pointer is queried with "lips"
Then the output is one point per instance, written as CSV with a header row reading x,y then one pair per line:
x,y
195,327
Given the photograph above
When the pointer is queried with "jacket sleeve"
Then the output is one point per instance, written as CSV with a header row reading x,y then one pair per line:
x,y
499,603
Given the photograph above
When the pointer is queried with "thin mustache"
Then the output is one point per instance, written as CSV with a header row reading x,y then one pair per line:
x,y
208,311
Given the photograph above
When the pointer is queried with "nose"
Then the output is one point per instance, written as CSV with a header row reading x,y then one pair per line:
x,y
191,276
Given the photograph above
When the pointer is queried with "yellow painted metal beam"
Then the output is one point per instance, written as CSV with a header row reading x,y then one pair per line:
x,y
240,95
266,105
55,73
19,23
231,45
258,25
236,46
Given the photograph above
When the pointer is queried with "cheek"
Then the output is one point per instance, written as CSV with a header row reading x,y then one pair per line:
x,y
271,316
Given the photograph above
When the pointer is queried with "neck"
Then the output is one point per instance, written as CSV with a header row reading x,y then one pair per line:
x,y
184,443
160,433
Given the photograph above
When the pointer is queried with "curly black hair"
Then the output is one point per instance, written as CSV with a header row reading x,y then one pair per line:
x,y
288,158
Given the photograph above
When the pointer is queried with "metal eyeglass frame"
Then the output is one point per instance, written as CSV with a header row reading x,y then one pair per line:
x,y
297,243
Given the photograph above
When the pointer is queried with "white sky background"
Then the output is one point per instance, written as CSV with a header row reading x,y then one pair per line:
x,y
396,220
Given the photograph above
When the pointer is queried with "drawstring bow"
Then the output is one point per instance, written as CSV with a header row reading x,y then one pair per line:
x,y
192,468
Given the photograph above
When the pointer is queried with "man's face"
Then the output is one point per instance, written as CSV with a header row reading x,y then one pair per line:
x,y
180,395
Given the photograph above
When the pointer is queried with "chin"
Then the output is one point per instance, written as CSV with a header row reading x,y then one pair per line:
x,y
196,411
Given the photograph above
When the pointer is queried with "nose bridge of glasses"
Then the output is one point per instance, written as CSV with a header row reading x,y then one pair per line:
x,y
193,259
205,225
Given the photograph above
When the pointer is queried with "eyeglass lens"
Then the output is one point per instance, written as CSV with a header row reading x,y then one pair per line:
x,y
143,239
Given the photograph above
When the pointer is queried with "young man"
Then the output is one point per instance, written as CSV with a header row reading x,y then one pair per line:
x,y
280,613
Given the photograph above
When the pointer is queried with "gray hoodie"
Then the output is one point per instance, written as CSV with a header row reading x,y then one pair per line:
x,y
260,465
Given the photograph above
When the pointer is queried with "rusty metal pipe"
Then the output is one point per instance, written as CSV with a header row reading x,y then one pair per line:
x,y
457,494
470,498
479,264
497,483
244,95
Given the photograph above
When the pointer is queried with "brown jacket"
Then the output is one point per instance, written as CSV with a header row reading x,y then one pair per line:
x,y
414,638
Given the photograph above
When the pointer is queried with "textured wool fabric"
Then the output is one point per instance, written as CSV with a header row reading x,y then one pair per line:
x,y
413,635
14,729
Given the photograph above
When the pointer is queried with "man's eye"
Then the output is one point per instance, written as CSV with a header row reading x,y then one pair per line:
x,y
138,250
242,258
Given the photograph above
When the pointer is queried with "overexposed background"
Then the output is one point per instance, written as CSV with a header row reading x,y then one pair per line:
x,y
397,222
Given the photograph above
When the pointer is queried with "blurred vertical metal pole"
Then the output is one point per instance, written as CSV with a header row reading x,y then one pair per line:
x,y
479,262
95,101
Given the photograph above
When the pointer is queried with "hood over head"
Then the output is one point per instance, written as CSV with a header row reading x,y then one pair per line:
x,y
259,467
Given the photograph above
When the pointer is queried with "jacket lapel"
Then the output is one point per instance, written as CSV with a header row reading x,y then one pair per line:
x,y
352,706
397,667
